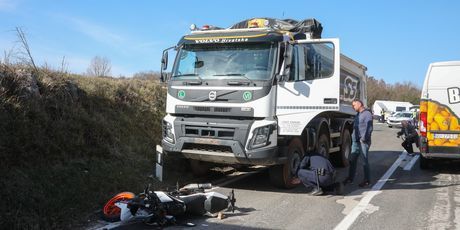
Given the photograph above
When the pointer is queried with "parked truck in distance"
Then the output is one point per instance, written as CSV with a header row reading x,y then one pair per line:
x,y
262,92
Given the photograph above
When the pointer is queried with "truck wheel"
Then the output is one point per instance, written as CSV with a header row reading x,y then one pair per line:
x,y
323,145
282,175
424,162
341,158
199,168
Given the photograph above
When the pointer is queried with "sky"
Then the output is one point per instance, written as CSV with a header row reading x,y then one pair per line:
x,y
395,39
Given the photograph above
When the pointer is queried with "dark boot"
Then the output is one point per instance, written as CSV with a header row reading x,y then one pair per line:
x,y
347,181
364,184
338,188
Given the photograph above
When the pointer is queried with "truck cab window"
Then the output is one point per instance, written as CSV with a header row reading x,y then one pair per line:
x,y
293,74
188,61
318,60
254,61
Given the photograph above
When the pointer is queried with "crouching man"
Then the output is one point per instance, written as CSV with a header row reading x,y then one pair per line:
x,y
411,136
317,174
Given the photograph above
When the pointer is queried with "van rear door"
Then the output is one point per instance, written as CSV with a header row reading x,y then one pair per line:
x,y
441,101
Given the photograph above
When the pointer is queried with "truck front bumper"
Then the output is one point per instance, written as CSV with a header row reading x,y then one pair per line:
x,y
223,151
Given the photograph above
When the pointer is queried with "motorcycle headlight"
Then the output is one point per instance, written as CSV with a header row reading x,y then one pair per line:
x,y
261,137
167,132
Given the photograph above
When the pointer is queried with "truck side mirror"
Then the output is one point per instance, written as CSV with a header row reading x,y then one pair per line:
x,y
164,60
287,61
164,65
288,56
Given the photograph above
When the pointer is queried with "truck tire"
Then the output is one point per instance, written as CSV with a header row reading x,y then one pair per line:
x,y
424,163
199,168
323,145
282,175
345,149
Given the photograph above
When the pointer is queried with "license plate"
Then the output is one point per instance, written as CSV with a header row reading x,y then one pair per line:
x,y
445,136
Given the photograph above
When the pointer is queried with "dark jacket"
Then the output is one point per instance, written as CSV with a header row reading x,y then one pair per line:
x,y
409,132
363,127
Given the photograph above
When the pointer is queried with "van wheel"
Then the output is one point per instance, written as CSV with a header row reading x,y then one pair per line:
x,y
282,175
323,145
199,168
424,162
341,158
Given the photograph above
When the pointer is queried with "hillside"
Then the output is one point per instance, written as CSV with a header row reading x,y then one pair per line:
x,y
68,143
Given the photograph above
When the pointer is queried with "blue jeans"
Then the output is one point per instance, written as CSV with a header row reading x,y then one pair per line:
x,y
359,149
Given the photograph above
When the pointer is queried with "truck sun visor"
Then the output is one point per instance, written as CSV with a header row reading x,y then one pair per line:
x,y
312,25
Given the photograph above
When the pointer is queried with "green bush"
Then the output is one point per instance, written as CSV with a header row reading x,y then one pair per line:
x,y
68,143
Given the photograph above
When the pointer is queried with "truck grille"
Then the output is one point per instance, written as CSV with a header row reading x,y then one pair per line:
x,y
212,109
210,132
202,108
222,109
205,147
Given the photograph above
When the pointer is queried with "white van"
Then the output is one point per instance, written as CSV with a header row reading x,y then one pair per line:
x,y
439,113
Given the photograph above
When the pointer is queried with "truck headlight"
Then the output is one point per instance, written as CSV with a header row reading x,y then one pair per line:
x,y
167,132
261,137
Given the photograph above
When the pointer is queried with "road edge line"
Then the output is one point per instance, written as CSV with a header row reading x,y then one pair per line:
x,y
349,219
409,166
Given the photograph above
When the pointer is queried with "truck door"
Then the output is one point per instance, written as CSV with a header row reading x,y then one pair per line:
x,y
313,84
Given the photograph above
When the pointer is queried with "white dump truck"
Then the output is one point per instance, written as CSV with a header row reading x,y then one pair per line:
x,y
262,92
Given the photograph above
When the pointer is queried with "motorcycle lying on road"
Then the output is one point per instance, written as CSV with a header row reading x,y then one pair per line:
x,y
161,208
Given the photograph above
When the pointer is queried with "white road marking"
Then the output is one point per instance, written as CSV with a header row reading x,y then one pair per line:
x,y
364,203
409,166
351,200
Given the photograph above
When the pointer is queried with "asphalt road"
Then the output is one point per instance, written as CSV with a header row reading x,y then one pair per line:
x,y
402,197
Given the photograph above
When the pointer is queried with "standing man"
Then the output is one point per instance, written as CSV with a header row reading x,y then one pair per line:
x,y
382,115
414,117
361,138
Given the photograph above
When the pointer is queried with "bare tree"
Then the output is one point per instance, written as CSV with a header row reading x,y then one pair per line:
x,y
8,56
380,90
25,45
64,66
99,67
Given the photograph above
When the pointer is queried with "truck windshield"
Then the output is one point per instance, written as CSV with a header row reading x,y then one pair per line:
x,y
248,61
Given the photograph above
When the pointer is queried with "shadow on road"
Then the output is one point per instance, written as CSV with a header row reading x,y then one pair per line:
x,y
414,179
380,162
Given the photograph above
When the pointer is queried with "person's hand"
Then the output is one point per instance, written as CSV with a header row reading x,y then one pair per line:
x,y
295,180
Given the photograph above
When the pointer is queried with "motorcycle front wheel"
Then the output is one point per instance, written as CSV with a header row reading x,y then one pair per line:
x,y
111,212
